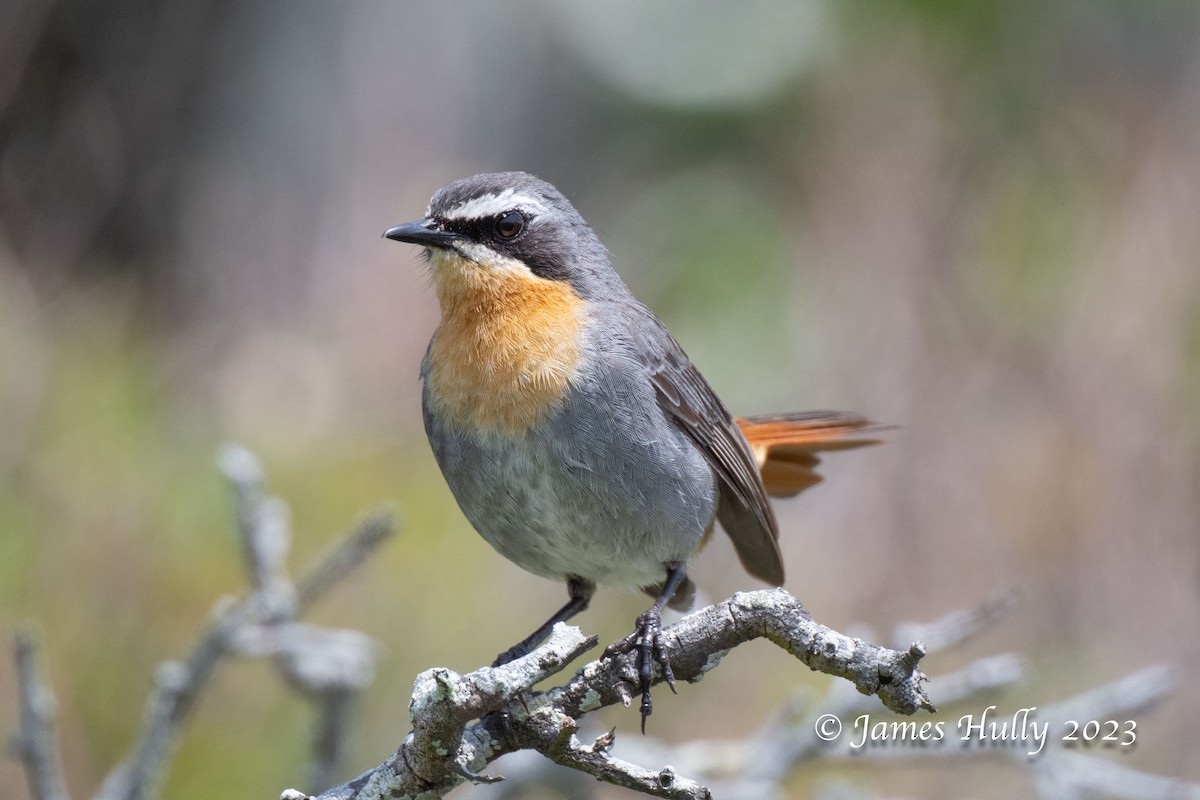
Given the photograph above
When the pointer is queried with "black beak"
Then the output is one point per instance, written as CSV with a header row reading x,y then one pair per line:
x,y
423,232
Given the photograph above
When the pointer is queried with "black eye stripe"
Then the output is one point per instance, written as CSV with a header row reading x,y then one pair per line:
x,y
544,256
484,229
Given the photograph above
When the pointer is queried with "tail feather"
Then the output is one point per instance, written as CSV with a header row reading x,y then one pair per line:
x,y
786,445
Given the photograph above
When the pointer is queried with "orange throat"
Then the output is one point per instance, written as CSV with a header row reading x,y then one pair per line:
x,y
507,348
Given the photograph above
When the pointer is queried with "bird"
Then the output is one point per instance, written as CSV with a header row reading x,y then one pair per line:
x,y
574,432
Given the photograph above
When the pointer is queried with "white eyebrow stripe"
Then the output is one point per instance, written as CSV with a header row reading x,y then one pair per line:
x,y
489,205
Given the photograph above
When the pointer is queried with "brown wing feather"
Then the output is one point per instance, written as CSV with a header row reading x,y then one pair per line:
x,y
742,507
742,452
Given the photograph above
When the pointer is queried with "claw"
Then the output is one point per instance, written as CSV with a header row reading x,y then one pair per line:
x,y
660,655
648,640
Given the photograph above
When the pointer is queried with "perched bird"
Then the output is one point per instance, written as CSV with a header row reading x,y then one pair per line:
x,y
574,432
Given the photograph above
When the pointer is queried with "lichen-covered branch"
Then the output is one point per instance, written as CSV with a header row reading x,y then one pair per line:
x,y
444,751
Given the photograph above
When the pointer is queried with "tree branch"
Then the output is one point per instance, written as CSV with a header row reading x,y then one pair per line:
x,y
443,750
757,766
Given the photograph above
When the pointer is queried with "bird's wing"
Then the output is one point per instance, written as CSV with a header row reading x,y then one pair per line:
x,y
743,508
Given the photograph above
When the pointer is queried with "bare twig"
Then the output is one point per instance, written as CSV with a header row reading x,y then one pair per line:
x,y
262,521
331,666
1073,776
1068,774
350,551
1139,691
35,743
331,736
595,760
179,683
958,626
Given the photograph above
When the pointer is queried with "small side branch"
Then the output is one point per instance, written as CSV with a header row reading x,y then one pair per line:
x,y
35,743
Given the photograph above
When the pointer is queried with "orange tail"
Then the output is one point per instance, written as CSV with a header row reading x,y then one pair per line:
x,y
786,445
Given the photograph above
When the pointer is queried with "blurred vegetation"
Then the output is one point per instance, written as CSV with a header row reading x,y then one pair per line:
x,y
974,220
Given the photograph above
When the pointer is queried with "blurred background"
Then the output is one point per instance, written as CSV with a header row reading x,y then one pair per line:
x,y
979,222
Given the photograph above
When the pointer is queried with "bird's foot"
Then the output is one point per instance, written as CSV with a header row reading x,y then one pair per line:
x,y
648,639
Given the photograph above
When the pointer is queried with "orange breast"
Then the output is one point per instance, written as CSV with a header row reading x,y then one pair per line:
x,y
507,347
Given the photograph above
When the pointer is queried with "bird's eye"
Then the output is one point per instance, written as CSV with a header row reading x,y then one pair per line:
x,y
509,224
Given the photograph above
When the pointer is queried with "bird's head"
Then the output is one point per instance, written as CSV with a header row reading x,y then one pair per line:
x,y
509,227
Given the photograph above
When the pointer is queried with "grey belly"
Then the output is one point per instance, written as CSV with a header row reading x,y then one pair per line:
x,y
607,489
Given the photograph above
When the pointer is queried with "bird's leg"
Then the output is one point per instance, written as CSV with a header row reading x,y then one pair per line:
x,y
647,638
581,592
